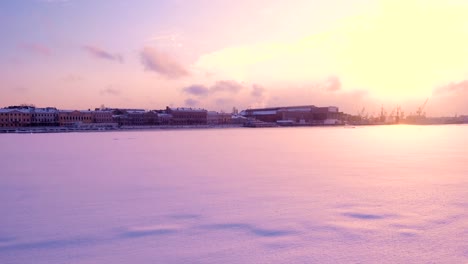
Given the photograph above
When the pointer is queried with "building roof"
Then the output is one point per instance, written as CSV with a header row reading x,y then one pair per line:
x,y
45,110
264,112
24,111
187,109
275,110
282,107
136,111
297,109
71,111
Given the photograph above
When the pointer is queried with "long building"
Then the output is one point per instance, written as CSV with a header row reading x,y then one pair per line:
x,y
215,118
45,116
74,117
296,115
15,117
102,116
187,116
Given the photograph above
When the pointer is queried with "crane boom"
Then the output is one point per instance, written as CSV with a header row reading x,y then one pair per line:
x,y
421,108
361,114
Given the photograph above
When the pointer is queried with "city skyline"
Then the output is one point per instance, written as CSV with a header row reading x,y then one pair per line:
x,y
77,54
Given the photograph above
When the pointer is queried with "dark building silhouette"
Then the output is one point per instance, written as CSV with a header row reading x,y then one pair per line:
x,y
307,114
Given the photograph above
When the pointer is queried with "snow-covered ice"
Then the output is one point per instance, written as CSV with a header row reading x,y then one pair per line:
x,y
384,194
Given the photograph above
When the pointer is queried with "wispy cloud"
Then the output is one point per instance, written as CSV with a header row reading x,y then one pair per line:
x,y
227,86
452,88
257,91
167,39
110,90
260,95
167,36
191,102
162,63
36,48
223,86
197,90
20,89
99,53
226,93
331,84
224,101
72,78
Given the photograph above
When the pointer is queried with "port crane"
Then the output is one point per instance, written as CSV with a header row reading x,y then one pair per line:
x,y
361,113
399,114
391,118
383,114
420,110
395,115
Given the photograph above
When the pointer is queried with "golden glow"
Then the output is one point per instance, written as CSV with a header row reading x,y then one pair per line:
x,y
402,49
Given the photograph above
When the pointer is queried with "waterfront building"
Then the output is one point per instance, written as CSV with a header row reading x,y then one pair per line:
x,y
215,118
187,116
135,117
47,116
164,118
150,118
238,119
142,118
15,117
120,119
74,117
464,119
296,115
102,116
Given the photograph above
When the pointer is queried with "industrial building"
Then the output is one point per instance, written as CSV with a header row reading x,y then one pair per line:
x,y
296,115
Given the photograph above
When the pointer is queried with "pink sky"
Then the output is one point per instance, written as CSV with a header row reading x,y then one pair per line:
x,y
221,54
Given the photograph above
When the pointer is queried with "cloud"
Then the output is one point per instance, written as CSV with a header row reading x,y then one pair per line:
x,y
224,93
191,102
224,101
448,99
36,48
377,50
260,95
227,86
72,78
20,89
167,39
332,84
110,91
257,90
451,88
197,90
161,63
99,53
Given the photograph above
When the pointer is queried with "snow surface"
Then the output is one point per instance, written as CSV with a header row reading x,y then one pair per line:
x,y
390,194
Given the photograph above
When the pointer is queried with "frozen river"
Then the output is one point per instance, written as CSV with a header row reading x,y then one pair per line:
x,y
383,194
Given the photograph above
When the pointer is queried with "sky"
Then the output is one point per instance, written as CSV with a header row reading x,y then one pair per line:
x,y
220,54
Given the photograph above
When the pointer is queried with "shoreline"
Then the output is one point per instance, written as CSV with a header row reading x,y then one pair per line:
x,y
42,130
57,129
